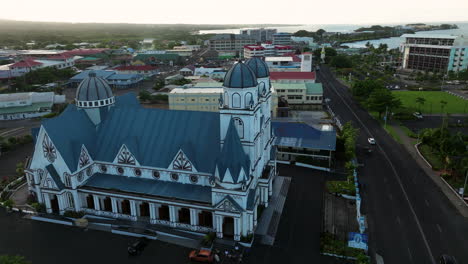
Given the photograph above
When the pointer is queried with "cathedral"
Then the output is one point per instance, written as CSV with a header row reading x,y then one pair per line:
x,y
201,171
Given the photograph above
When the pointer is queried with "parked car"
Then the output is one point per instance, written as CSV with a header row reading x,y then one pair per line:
x,y
371,141
418,115
201,255
446,259
137,246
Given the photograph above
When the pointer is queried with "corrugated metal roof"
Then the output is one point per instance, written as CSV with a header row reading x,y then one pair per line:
x,y
314,88
233,156
240,76
54,175
258,66
301,135
34,107
166,189
153,136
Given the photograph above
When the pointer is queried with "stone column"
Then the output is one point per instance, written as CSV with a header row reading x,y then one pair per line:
x,y
265,196
47,203
194,218
154,212
115,208
270,188
251,222
77,200
133,211
173,215
237,229
255,216
62,203
97,204
219,226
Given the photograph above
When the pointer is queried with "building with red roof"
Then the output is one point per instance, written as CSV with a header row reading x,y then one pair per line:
x,y
146,70
266,50
292,77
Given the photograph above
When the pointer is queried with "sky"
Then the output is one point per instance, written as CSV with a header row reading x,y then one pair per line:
x,y
236,12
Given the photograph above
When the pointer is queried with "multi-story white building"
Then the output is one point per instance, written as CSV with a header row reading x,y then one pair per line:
x,y
435,53
266,50
282,38
230,42
200,171
260,34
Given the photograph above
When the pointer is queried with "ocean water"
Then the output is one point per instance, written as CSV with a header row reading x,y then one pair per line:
x,y
347,28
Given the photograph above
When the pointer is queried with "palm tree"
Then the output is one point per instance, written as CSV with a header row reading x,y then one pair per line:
x,y
442,105
420,101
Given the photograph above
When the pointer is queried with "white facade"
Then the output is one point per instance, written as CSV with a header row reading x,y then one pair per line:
x,y
27,105
233,208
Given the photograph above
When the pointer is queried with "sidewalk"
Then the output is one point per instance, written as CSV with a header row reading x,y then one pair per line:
x,y
409,144
270,218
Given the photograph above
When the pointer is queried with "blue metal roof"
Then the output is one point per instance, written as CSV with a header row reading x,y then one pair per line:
x,y
153,136
233,156
93,88
54,175
84,74
258,66
166,189
240,76
301,135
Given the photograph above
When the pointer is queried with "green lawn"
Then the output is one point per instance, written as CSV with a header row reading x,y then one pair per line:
x,y
455,105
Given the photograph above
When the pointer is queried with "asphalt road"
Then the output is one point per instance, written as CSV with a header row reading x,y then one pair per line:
x,y
50,243
298,236
410,220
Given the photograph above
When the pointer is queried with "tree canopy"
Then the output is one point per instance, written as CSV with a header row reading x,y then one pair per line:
x,y
380,99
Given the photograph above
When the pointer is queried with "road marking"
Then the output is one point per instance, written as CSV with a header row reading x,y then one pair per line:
x,y
426,243
438,227
11,131
410,255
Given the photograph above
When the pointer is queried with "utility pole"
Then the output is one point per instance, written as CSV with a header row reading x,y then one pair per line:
x,y
464,186
386,117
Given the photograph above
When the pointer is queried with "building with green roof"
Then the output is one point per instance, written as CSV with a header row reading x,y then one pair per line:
x,y
300,95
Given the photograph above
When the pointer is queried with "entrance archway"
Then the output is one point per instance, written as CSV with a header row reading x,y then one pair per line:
x,y
144,209
228,226
89,201
125,207
54,204
164,212
184,215
108,204
205,219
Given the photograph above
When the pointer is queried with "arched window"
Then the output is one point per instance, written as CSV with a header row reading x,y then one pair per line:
x,y
248,98
236,100
226,98
261,87
67,179
70,201
239,126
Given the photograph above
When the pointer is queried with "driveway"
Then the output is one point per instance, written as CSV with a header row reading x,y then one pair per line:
x,y
298,236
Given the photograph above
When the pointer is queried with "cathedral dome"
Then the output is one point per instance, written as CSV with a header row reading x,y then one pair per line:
x,y
240,76
258,66
93,92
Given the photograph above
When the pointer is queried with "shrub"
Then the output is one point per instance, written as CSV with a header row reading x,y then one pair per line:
x,y
246,239
74,214
8,203
50,115
39,207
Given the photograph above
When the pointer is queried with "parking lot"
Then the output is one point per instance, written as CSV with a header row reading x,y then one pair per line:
x,y
436,122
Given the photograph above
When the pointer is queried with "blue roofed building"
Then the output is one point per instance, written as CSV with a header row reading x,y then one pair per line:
x,y
299,142
202,171
113,78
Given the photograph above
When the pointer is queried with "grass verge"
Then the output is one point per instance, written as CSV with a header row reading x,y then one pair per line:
x,y
431,157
